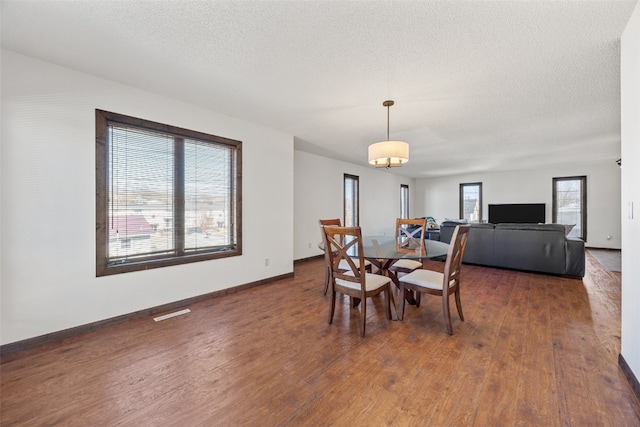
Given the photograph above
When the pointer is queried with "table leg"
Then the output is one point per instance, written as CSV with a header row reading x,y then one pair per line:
x,y
408,295
383,268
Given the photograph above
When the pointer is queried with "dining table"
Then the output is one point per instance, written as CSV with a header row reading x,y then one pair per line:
x,y
384,251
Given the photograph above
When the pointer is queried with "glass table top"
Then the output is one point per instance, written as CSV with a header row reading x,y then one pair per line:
x,y
387,247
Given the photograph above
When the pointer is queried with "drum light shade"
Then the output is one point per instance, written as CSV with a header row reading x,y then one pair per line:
x,y
388,154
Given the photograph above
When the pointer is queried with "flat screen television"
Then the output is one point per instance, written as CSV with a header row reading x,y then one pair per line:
x,y
532,213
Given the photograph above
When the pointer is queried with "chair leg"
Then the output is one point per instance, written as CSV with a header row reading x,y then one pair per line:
x,y
332,305
363,317
387,301
327,278
459,304
401,300
447,314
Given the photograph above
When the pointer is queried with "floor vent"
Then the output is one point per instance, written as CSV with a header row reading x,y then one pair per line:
x,y
177,313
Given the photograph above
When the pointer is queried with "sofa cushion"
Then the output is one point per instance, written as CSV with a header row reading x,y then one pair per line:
x,y
480,246
533,247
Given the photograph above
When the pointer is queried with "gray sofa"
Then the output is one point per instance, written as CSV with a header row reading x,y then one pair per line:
x,y
542,248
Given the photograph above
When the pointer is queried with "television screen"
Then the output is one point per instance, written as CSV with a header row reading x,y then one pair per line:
x,y
531,213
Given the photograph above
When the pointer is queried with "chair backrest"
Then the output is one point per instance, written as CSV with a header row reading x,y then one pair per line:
x,y
410,232
454,255
323,222
342,243
332,221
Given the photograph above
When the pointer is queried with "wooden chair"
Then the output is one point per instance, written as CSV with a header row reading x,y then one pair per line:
x,y
413,237
344,265
436,283
354,281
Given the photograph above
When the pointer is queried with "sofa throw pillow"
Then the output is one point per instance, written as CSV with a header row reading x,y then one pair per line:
x,y
568,228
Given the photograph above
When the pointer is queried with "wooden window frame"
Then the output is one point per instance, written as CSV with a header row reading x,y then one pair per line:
x,y
356,215
177,256
461,198
404,190
583,207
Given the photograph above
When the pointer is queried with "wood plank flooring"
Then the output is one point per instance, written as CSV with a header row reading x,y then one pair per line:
x,y
535,350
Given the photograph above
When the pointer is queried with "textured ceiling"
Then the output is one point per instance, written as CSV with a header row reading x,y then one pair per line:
x,y
478,85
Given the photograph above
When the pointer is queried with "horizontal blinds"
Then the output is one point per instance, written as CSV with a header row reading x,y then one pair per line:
x,y
208,199
141,194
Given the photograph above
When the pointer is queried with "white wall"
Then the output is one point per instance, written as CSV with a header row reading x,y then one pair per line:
x,y
630,102
439,197
318,192
48,278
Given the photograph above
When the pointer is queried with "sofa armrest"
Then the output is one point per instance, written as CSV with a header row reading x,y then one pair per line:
x,y
575,257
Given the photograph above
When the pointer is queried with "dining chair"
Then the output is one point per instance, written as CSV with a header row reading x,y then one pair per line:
x,y
355,281
409,232
436,283
344,265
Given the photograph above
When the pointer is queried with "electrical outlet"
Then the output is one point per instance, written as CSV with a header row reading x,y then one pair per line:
x,y
266,262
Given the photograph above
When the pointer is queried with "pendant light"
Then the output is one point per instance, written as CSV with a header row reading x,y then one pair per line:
x,y
387,154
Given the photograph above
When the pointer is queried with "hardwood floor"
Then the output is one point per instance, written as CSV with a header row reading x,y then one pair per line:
x,y
535,350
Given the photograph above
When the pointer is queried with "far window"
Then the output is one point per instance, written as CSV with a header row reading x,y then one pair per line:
x,y
351,201
570,204
471,201
404,201
164,195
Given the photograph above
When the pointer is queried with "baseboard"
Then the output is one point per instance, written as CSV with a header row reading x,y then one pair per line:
x,y
311,258
602,249
12,348
631,378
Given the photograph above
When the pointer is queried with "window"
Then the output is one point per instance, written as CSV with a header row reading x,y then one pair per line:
x,y
471,201
570,204
351,201
164,195
404,201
